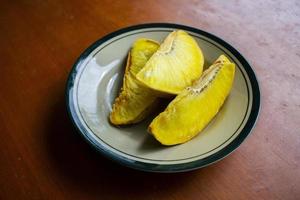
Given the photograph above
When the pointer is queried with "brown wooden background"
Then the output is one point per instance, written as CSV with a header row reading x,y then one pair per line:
x,y
43,158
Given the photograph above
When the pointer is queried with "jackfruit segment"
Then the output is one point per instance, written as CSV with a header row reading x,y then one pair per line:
x,y
176,64
135,101
195,106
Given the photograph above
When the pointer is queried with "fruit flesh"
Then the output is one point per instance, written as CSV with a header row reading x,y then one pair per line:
x,y
176,64
195,106
135,101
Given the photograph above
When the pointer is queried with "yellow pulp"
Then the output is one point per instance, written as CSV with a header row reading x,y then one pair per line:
x,y
135,101
195,106
176,64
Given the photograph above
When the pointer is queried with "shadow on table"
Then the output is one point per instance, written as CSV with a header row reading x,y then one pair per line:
x,y
78,164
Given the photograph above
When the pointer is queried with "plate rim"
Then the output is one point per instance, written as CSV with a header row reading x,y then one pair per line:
x,y
166,168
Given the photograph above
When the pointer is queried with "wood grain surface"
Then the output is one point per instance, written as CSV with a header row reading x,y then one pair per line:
x,y
42,157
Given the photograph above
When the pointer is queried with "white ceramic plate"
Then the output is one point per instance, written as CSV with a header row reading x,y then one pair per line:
x,y
95,80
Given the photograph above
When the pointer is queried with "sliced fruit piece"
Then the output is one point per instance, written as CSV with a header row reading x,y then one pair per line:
x,y
135,100
175,65
195,106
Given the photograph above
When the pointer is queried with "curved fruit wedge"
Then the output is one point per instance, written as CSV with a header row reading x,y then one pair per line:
x,y
195,106
175,65
135,101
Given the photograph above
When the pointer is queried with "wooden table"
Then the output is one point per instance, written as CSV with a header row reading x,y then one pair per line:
x,y
43,158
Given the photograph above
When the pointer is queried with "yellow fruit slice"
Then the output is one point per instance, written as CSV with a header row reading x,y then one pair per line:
x,y
135,100
175,65
195,106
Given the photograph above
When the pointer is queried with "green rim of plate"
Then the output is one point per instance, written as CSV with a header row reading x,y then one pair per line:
x,y
167,168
